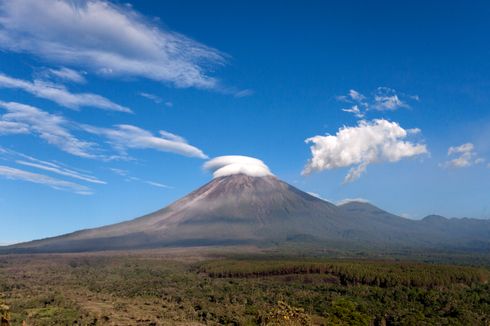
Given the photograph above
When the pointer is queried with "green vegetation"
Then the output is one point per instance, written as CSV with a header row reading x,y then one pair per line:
x,y
375,273
156,289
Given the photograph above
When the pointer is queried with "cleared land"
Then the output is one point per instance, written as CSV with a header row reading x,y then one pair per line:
x,y
211,286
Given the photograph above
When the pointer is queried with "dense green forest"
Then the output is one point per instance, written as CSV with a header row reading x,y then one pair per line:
x,y
149,289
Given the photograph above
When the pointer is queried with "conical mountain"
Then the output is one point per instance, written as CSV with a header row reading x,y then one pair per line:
x,y
246,204
234,209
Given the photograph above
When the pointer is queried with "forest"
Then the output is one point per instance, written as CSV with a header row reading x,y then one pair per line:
x,y
154,288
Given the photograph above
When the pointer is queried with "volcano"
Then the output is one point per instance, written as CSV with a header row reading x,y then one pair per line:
x,y
242,209
234,209
251,206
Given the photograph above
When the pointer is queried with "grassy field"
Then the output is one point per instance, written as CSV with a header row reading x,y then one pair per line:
x,y
194,287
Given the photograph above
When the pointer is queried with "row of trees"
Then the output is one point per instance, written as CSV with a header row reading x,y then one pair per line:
x,y
382,274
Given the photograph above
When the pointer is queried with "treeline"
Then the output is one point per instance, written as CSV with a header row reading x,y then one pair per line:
x,y
136,290
374,273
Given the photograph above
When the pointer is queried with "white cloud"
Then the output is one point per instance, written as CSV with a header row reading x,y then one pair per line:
x,y
466,156
124,136
355,172
125,173
356,96
58,168
235,164
151,183
55,129
16,174
106,38
351,200
157,184
60,94
386,99
119,172
461,149
352,97
242,93
156,99
67,74
355,111
479,160
10,127
368,142
49,127
382,99
51,167
171,136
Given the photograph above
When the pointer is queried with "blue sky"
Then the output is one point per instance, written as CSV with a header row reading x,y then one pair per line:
x,y
109,110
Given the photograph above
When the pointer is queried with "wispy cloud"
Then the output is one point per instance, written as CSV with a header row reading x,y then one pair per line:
x,y
152,97
125,173
120,172
243,93
465,156
66,74
382,99
367,143
47,166
17,174
123,137
157,184
122,42
156,99
53,167
51,128
11,127
60,94
355,111
56,130
387,99
151,183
